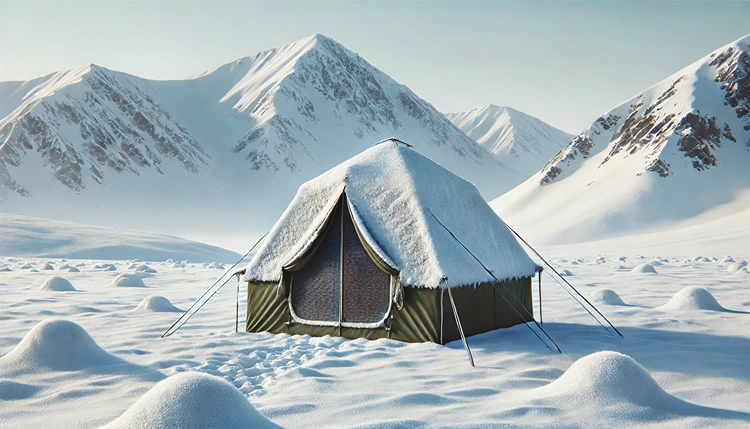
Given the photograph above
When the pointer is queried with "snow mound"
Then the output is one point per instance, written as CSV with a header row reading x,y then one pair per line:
x,y
26,266
157,303
143,268
57,345
741,271
606,296
215,266
655,263
192,400
105,267
645,268
566,273
33,270
701,259
128,280
5,270
58,284
620,268
727,259
608,378
736,266
48,267
692,298
73,270
63,267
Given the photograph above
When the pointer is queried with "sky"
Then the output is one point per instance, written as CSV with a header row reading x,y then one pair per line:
x,y
564,62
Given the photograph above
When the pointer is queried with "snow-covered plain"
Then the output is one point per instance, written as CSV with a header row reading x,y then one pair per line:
x,y
678,365
25,236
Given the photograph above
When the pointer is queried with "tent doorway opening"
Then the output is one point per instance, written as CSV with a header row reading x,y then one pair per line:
x,y
335,281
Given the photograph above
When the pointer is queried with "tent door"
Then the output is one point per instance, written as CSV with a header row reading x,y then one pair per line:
x,y
340,284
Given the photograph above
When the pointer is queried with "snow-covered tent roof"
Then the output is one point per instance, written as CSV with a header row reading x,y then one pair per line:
x,y
393,192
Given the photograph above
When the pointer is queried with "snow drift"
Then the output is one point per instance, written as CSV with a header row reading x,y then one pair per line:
x,y
58,284
45,238
128,280
692,298
57,345
13,391
645,269
157,304
606,296
192,400
613,384
607,378
737,266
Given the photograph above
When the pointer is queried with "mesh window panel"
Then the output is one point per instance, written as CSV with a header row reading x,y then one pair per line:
x,y
316,288
366,287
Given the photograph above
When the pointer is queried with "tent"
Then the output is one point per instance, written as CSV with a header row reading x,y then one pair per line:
x,y
389,244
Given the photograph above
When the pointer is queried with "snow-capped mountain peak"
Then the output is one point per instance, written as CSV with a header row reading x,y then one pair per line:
x,y
87,123
292,102
675,150
258,126
512,136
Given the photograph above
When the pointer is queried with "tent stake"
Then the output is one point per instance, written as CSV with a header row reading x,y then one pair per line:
x,y
458,323
237,307
442,298
541,318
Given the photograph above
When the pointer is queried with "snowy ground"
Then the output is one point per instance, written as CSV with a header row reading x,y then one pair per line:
x,y
24,236
57,379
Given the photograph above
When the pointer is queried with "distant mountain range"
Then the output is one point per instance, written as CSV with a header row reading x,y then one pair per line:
x,y
519,140
220,155
223,151
671,153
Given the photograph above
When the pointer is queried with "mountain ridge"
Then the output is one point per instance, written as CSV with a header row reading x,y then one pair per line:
x,y
675,150
257,127
514,137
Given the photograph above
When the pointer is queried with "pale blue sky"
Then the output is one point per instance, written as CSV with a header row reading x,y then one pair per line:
x,y
564,62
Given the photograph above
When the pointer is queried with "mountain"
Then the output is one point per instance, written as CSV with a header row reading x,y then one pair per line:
x,y
515,138
98,146
675,151
44,238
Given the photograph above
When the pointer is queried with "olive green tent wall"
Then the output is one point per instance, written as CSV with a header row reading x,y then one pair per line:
x,y
426,315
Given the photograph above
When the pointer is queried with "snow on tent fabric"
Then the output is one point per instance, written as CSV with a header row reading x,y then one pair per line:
x,y
368,248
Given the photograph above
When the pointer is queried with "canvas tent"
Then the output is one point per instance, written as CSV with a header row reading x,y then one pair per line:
x,y
370,248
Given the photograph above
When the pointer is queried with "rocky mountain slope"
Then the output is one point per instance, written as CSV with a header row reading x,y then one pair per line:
x,y
98,146
515,138
672,152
